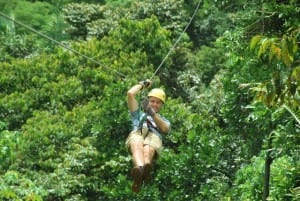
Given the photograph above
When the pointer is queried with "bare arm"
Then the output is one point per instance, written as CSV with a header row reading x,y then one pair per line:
x,y
131,96
132,92
162,125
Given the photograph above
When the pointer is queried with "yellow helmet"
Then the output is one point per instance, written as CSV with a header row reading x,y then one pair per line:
x,y
158,93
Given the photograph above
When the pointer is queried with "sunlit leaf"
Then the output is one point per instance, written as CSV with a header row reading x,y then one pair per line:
x,y
254,41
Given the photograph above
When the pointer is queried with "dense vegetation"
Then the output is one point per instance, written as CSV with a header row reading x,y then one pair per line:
x,y
233,85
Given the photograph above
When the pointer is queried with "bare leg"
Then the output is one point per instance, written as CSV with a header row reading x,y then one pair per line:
x,y
149,153
138,161
137,154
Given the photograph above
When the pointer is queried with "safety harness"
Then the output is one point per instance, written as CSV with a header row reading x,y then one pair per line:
x,y
145,124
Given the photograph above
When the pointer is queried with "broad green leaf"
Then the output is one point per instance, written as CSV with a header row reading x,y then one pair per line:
x,y
255,41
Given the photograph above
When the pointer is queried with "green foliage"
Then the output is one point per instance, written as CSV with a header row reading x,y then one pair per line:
x,y
210,22
16,46
79,15
65,102
249,181
210,60
16,40
282,53
268,73
171,14
15,186
118,3
283,179
24,11
149,38
9,143
94,20
64,119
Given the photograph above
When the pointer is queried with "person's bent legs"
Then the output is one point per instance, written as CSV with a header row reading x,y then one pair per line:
x,y
152,147
149,154
134,143
137,152
138,169
143,151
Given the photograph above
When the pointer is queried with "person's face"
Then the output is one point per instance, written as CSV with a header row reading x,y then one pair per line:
x,y
155,103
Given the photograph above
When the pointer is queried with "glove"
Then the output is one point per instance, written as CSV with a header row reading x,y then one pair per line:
x,y
147,108
145,83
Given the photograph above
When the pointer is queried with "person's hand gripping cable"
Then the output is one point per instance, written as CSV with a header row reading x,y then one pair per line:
x,y
145,103
147,108
145,83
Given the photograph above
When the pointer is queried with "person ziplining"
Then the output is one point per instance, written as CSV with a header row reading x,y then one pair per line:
x,y
144,142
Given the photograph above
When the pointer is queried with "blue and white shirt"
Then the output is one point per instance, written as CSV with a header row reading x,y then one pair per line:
x,y
141,120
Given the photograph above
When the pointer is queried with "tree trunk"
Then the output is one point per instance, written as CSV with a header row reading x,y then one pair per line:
x,y
268,163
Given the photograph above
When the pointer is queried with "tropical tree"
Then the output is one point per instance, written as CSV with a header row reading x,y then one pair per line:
x,y
233,99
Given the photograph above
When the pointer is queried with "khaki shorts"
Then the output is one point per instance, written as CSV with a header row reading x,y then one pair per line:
x,y
150,139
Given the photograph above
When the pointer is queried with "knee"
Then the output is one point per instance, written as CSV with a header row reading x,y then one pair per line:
x,y
136,147
149,152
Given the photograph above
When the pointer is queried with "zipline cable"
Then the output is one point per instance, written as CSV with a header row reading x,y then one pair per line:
x,y
177,41
173,47
93,60
57,42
